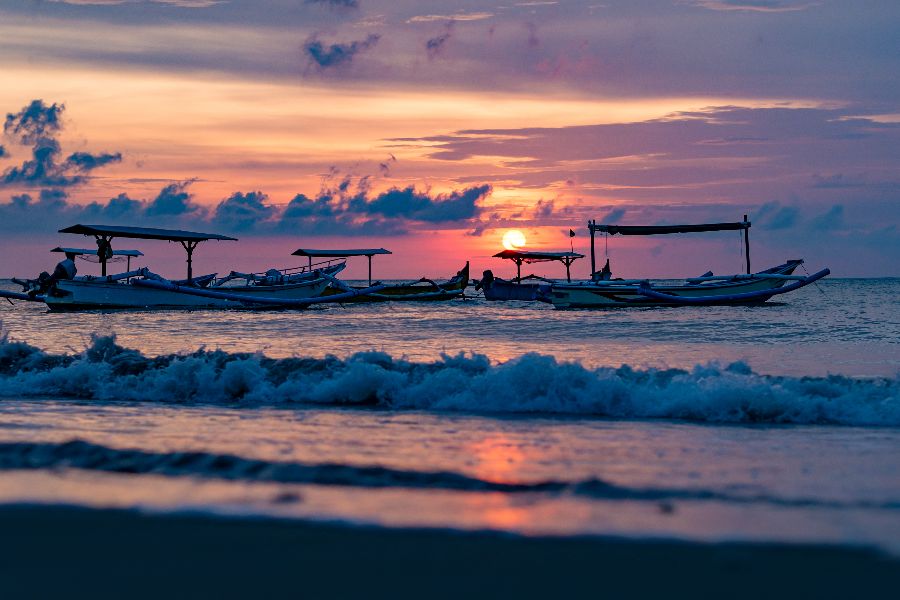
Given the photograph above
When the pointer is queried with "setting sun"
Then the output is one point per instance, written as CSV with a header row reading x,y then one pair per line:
x,y
513,239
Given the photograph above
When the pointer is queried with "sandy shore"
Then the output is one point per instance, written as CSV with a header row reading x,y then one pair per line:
x,y
73,552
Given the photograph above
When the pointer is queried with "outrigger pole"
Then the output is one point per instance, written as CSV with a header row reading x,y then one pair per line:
x,y
662,229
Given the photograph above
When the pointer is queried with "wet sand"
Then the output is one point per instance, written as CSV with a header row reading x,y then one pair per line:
x,y
83,553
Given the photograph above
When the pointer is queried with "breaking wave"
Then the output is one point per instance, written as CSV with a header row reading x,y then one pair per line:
x,y
79,454
531,383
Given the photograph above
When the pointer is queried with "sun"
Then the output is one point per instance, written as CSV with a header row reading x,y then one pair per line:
x,y
513,239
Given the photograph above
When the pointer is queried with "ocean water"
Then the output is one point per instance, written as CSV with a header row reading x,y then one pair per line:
x,y
778,423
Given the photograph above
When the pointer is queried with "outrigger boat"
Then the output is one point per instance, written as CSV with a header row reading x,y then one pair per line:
x,y
496,288
709,289
423,289
143,289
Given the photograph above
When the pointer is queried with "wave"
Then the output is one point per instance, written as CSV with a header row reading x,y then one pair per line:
x,y
531,383
79,454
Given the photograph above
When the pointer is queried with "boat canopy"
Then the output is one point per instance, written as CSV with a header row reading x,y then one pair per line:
x,y
80,251
531,256
367,252
312,252
144,233
661,229
742,226
105,233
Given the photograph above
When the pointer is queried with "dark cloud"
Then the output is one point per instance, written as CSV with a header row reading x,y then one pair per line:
x,y
38,125
408,203
385,167
3,152
614,216
342,210
434,46
336,4
173,200
772,215
34,122
241,212
832,219
338,54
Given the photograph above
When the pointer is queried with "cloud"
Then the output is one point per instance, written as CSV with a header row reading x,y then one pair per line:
x,y
435,45
172,201
34,122
832,219
614,216
772,215
338,54
474,16
343,210
3,152
410,204
38,125
772,6
241,212
336,4
385,166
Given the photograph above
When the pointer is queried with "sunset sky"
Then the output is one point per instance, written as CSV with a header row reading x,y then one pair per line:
x,y
432,128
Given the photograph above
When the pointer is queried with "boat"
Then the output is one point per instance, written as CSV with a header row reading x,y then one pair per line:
x,y
420,290
496,288
143,289
708,289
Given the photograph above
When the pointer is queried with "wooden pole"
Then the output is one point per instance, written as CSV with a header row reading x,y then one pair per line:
x,y
747,243
369,256
568,276
593,258
189,248
519,270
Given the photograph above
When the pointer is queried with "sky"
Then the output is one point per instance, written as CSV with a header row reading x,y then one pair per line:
x,y
433,128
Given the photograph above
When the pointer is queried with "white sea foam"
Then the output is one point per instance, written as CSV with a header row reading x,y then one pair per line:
x,y
531,383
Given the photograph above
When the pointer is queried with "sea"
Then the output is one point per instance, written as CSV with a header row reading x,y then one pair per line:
x,y
777,423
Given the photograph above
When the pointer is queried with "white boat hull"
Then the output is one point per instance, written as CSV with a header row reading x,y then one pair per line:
x,y
609,294
101,295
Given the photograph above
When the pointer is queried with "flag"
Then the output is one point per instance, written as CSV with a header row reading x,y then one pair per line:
x,y
571,233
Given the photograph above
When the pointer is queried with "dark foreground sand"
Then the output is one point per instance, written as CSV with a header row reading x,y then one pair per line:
x,y
63,552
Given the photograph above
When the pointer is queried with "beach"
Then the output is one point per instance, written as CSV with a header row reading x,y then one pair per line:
x,y
102,553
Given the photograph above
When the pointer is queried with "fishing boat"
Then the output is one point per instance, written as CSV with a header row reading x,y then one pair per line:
x,y
496,288
421,290
143,289
708,289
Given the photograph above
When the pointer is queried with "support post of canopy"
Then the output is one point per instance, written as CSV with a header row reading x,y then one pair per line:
x,y
310,263
189,248
591,224
568,262
103,248
747,243
369,256
519,271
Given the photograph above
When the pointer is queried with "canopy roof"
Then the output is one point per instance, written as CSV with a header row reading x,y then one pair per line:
x,y
80,251
531,256
660,229
340,253
145,233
